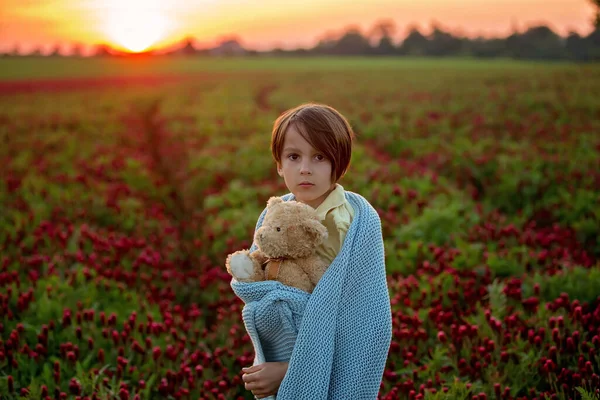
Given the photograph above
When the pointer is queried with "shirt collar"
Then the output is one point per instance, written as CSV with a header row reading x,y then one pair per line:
x,y
336,198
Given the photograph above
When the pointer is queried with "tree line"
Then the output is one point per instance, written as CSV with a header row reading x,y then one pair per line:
x,y
536,43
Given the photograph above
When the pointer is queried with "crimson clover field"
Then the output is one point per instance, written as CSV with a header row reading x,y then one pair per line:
x,y
123,190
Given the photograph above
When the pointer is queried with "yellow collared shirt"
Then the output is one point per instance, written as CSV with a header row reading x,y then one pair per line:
x,y
336,213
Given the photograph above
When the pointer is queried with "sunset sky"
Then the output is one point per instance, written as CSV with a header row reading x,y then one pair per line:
x,y
264,24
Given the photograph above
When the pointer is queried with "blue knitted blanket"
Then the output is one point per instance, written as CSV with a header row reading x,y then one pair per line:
x,y
337,339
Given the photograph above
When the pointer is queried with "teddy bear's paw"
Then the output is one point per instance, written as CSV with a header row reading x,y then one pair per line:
x,y
241,266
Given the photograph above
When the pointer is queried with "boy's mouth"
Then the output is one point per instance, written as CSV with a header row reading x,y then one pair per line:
x,y
306,184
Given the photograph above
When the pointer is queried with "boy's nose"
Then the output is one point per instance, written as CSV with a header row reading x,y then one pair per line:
x,y
304,170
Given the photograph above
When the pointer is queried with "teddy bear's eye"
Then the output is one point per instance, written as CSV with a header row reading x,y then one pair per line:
x,y
278,229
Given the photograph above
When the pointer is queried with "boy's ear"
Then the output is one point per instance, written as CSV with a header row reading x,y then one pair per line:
x,y
279,170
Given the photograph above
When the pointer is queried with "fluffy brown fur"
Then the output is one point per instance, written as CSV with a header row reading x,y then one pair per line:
x,y
290,231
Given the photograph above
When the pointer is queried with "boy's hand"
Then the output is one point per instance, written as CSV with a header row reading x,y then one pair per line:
x,y
264,379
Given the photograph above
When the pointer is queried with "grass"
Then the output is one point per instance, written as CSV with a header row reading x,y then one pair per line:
x,y
28,68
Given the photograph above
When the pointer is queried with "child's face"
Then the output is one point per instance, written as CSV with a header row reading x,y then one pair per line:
x,y
306,171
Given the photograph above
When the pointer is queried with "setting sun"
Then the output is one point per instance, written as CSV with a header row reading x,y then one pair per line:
x,y
135,27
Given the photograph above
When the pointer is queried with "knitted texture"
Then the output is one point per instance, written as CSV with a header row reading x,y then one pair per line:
x,y
337,339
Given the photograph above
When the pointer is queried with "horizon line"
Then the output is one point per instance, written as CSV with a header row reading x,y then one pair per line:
x,y
47,49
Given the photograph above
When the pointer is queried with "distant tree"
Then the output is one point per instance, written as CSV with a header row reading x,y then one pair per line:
x,y
443,43
187,46
594,37
228,46
544,43
36,52
326,42
102,50
382,33
278,51
593,45
596,20
76,50
514,47
352,43
15,51
323,47
415,43
481,47
55,51
576,46
385,46
538,42
382,28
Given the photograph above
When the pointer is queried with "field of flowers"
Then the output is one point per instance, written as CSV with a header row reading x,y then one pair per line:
x,y
121,197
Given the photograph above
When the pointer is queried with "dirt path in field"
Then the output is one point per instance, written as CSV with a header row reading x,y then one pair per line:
x,y
167,159
262,97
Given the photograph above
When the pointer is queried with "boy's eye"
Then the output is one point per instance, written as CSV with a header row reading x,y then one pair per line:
x,y
320,157
293,157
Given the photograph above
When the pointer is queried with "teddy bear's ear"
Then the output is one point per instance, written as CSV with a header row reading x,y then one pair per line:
x,y
316,229
274,200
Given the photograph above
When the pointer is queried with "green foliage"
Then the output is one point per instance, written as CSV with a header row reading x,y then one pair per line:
x,y
579,209
524,191
476,147
91,295
497,299
505,266
437,360
438,224
470,254
585,395
236,213
578,282
456,390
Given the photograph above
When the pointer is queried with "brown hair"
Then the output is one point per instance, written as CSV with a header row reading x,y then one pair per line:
x,y
323,127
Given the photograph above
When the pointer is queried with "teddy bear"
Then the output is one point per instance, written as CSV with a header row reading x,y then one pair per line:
x,y
286,247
